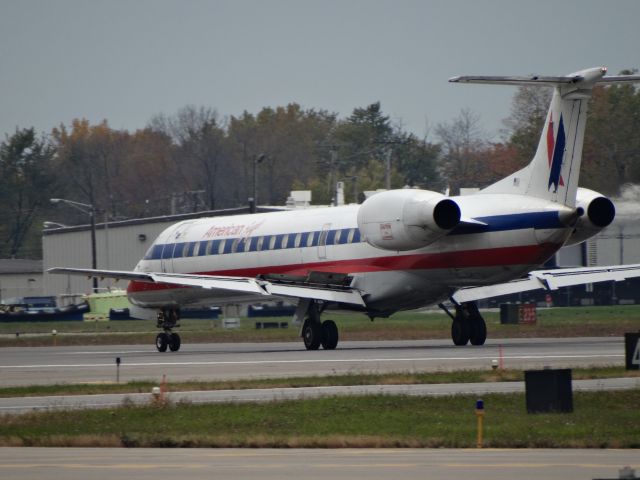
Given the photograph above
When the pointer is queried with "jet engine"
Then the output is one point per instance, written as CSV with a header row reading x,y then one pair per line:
x,y
596,212
407,219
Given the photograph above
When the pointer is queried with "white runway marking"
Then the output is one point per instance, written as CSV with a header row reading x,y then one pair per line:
x,y
314,361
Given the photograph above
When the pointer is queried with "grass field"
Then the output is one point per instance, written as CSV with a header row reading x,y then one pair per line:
x,y
599,420
554,322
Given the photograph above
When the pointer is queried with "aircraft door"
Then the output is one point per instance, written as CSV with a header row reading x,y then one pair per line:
x,y
322,241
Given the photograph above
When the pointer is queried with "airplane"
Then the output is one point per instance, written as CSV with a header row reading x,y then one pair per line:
x,y
400,249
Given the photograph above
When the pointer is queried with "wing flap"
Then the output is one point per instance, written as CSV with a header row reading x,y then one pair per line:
x,y
115,274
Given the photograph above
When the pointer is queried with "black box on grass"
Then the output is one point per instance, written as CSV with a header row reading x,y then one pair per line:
x,y
548,390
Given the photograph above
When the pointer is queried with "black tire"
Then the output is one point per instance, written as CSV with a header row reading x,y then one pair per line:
x,y
329,335
174,342
460,332
478,331
162,341
312,335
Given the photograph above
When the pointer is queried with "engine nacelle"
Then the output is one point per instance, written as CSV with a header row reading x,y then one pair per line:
x,y
596,212
406,219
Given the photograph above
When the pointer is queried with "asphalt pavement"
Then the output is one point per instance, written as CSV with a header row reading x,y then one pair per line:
x,y
97,364
321,464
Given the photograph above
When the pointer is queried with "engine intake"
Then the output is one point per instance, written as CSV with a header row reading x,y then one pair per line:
x,y
407,219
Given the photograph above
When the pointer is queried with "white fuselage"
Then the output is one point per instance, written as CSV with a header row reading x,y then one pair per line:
x,y
507,236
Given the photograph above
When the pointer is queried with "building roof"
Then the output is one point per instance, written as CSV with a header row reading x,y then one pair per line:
x,y
17,265
162,219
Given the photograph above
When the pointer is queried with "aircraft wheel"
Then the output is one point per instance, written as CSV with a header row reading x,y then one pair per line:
x,y
174,342
162,341
478,331
329,335
312,335
460,332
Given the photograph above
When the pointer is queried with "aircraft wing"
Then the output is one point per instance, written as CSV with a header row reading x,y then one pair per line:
x,y
236,284
549,280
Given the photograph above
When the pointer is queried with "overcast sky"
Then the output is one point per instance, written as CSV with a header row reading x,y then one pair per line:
x,y
126,60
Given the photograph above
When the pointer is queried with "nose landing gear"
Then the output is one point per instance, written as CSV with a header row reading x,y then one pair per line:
x,y
168,319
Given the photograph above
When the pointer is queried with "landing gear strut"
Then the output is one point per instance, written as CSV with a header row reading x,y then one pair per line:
x,y
468,325
314,332
168,319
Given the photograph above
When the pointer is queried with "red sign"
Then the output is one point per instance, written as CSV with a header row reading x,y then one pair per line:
x,y
527,314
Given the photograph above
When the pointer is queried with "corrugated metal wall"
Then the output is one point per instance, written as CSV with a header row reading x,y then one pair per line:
x,y
20,285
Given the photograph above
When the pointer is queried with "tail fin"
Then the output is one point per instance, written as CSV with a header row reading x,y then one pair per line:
x,y
554,171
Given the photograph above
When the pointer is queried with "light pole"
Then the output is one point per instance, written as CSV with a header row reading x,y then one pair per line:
x,y
253,202
90,210
47,225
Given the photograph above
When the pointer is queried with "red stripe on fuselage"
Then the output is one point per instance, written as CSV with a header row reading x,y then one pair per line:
x,y
491,257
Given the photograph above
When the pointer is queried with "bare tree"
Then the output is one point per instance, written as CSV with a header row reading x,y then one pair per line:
x,y
462,144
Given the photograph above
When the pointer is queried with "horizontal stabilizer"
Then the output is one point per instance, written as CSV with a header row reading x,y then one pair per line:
x,y
591,76
510,80
550,280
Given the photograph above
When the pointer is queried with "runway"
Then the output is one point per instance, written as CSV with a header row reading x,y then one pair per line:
x,y
267,464
51,365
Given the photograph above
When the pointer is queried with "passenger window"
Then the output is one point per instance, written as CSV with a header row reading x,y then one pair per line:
x,y
285,240
352,231
272,242
310,239
167,251
296,243
221,247
259,244
177,252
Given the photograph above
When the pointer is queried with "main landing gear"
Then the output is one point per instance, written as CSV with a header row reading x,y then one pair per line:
x,y
468,325
168,319
315,332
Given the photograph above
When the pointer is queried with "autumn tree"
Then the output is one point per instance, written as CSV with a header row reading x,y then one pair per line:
x,y
416,161
199,155
287,138
529,108
26,183
611,155
462,146
95,158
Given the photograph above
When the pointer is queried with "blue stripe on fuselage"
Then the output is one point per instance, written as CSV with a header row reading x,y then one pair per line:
x,y
513,221
495,223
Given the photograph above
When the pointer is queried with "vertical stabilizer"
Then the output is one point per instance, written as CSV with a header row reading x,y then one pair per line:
x,y
555,169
